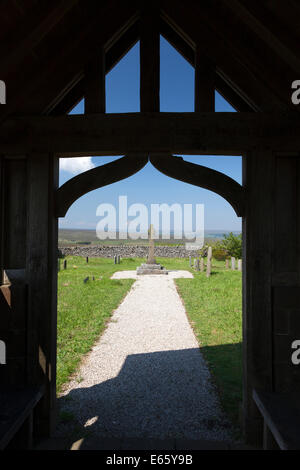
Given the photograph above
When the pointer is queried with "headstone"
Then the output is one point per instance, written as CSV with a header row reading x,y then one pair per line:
x,y
227,264
115,259
197,264
118,259
86,280
208,267
190,260
87,259
65,264
151,266
58,264
208,264
239,264
233,263
201,264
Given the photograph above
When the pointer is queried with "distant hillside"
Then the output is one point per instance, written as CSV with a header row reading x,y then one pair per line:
x,y
88,237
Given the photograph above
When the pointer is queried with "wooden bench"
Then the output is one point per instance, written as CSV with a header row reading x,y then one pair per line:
x,y
281,414
16,413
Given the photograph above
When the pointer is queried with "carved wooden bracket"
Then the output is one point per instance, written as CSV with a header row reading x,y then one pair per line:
x,y
96,178
201,176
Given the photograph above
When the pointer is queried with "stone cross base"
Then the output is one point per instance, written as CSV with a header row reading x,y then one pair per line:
x,y
151,269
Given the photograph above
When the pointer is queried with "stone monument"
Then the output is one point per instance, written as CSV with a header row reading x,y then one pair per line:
x,y
151,266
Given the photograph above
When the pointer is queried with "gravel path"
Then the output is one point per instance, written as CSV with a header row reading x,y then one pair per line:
x,y
146,377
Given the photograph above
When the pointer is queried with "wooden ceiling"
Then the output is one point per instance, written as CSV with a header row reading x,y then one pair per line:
x,y
44,46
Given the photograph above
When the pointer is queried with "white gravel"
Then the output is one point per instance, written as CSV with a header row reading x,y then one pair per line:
x,y
146,377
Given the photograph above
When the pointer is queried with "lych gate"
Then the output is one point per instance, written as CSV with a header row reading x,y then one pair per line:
x,y
43,84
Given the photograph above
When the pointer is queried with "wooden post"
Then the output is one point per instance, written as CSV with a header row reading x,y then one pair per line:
x,y
41,267
149,58
94,97
204,83
258,226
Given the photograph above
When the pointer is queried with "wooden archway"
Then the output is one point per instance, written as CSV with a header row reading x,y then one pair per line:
x,y
174,167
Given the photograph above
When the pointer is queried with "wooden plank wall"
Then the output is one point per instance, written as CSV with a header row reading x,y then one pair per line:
x,y
271,283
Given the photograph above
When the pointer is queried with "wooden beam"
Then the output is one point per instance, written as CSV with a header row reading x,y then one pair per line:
x,y
41,272
42,89
259,28
149,58
96,178
112,57
204,83
233,70
187,51
95,84
203,177
31,36
184,133
260,61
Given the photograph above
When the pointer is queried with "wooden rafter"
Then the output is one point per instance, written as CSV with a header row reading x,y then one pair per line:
x,y
265,34
118,50
240,42
187,51
17,50
233,70
58,75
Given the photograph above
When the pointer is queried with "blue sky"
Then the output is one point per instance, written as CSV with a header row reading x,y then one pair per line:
x,y
149,186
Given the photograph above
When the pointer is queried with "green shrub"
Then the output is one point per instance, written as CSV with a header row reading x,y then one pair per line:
x,y
219,254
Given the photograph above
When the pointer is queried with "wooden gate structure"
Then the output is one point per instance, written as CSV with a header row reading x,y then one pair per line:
x,y
57,52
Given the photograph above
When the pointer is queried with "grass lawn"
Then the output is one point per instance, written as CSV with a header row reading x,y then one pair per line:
x,y
214,308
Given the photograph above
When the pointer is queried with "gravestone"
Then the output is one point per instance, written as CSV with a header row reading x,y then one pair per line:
x,y
201,265
239,264
233,263
65,264
227,264
151,266
208,264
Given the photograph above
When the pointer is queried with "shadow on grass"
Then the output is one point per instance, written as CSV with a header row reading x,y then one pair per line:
x,y
225,363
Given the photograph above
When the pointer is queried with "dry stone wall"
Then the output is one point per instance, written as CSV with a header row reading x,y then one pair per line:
x,y
127,251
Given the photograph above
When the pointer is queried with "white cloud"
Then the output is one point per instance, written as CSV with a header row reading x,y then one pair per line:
x,y
76,165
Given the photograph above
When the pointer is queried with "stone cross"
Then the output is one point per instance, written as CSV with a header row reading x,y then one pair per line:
x,y
151,259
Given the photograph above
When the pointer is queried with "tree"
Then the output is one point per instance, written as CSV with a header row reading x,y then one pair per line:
x,y
233,244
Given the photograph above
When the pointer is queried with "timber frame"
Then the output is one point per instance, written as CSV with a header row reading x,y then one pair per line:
x,y
44,85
